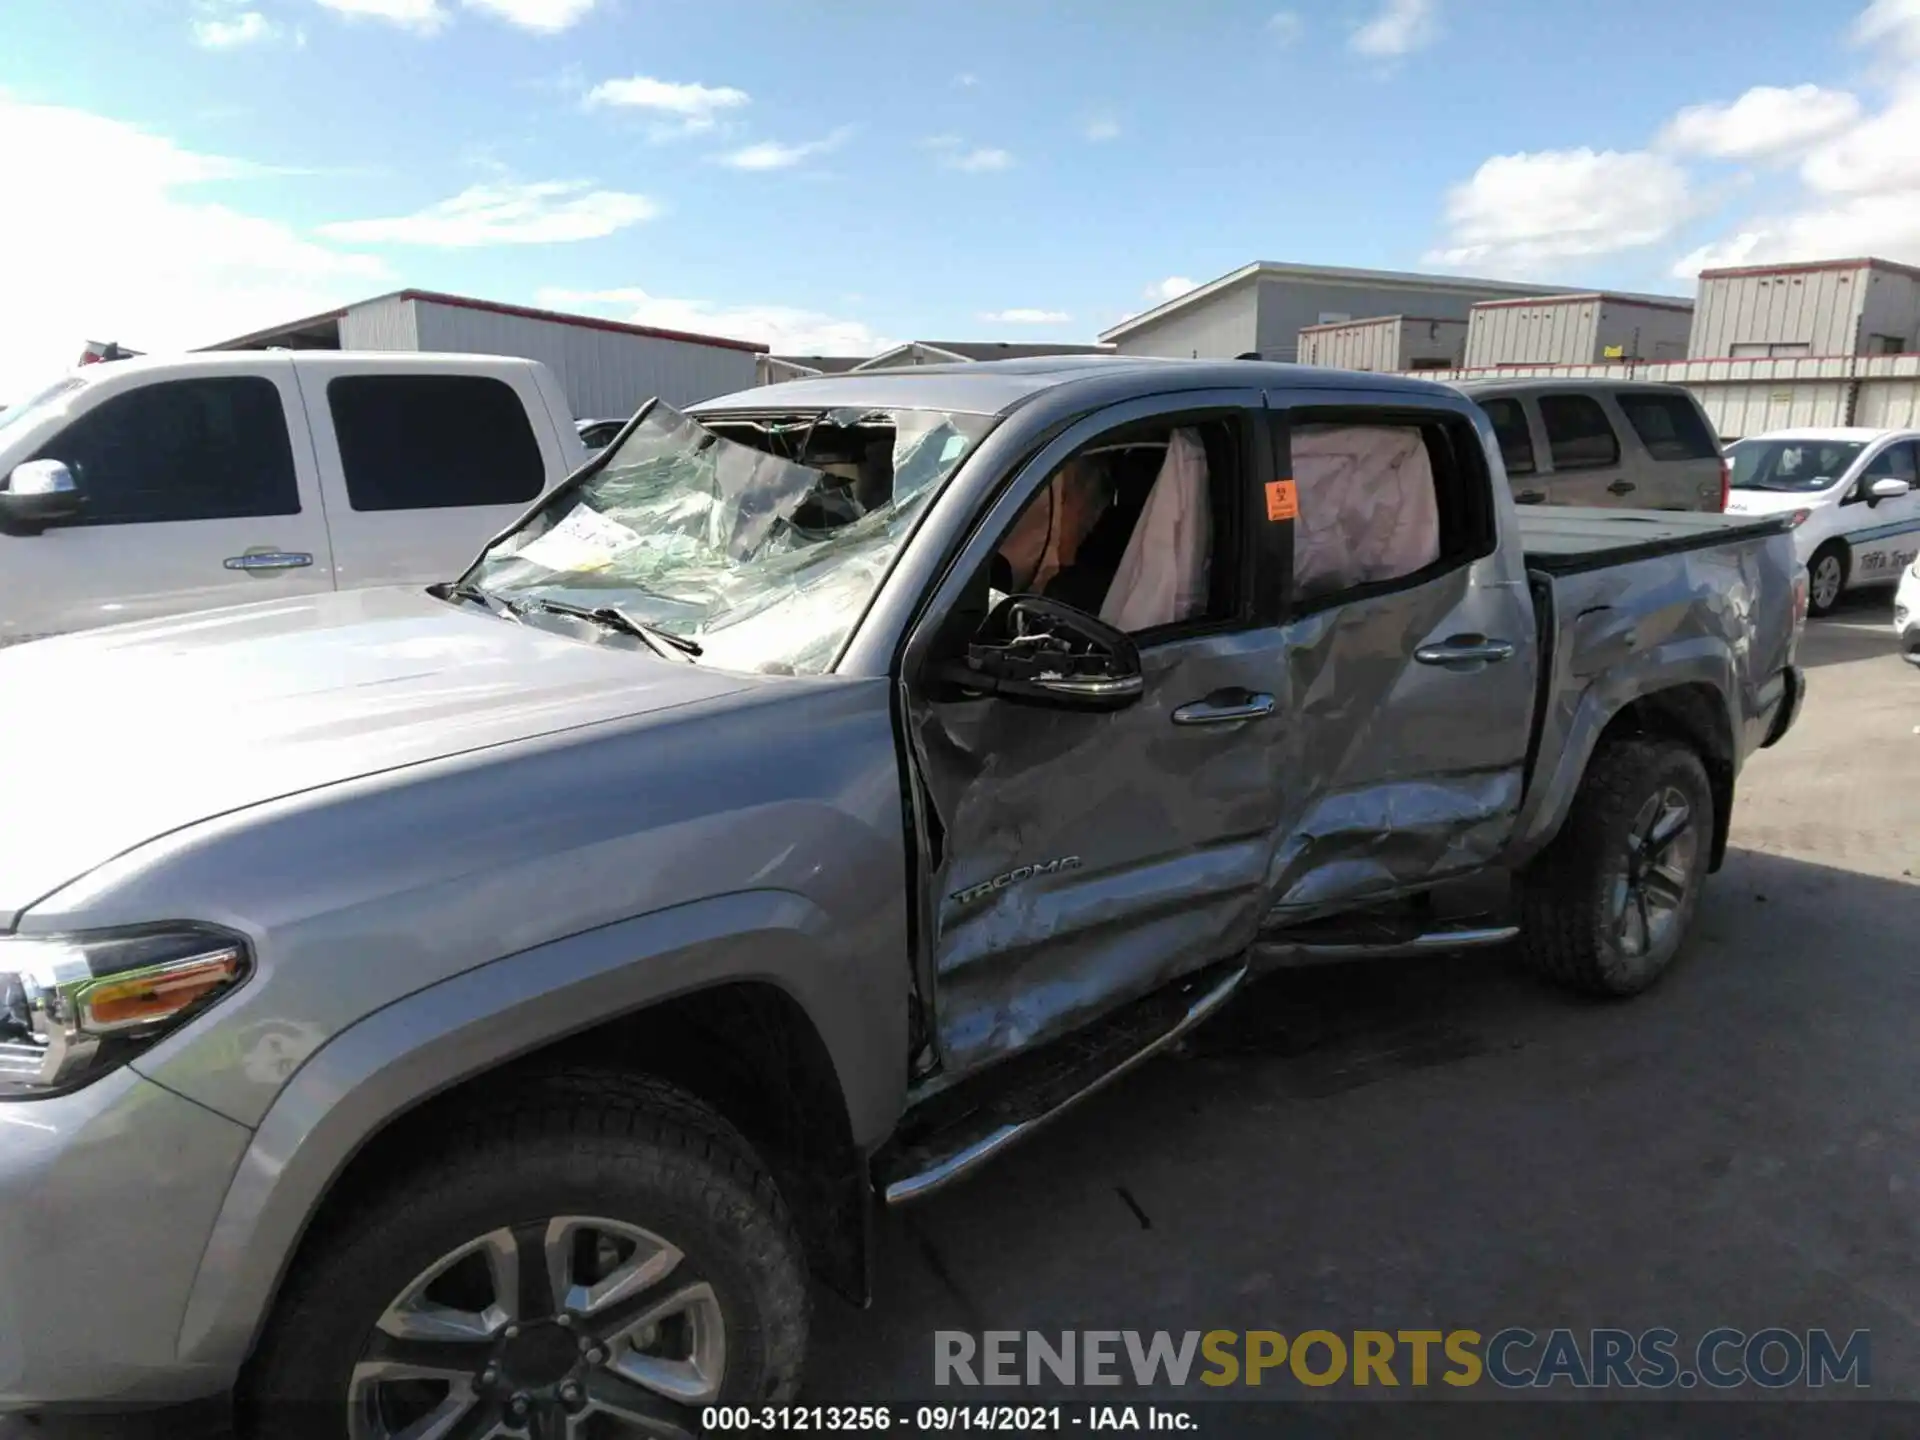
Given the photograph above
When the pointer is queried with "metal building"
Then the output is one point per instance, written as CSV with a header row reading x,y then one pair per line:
x,y
1827,307
1577,329
775,368
1262,308
1385,343
607,368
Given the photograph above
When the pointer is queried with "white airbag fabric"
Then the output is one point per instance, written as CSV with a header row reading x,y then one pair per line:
x,y
1367,507
1163,574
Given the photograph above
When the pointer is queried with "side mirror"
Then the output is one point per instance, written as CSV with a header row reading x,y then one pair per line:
x,y
1890,487
39,492
1037,651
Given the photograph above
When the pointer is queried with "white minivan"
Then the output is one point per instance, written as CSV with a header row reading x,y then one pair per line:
x,y
162,485
1853,494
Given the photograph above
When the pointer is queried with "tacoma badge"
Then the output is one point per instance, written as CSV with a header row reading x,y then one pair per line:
x,y
1014,877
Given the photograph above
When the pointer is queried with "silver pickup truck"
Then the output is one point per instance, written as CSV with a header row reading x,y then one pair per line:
x,y
482,1011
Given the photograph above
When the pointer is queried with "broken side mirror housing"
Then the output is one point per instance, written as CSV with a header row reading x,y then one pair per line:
x,y
1036,651
37,493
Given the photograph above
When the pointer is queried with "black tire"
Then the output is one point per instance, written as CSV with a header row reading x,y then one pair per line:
x,y
1575,928
626,1148
1835,553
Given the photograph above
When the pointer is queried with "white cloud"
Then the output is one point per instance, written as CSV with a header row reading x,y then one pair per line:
x,y
956,154
966,80
697,105
1520,211
778,155
538,213
549,17
180,265
1766,122
1887,226
1171,288
787,329
1101,128
1400,28
1286,26
424,16
222,29
1026,317
1880,154
1890,25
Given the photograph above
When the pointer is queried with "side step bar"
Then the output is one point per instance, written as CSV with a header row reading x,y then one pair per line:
x,y
944,1153
1279,949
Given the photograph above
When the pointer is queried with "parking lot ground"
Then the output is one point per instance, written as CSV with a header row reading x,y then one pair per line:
x,y
1409,1145
1450,1144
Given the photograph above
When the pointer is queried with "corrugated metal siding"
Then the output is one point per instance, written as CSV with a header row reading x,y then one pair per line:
x,y
1289,306
1752,407
1433,340
1219,328
1363,345
1643,332
388,323
1889,393
605,373
1552,332
1891,308
1816,308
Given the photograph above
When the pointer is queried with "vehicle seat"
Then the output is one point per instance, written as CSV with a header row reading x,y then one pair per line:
x,y
1162,575
1368,512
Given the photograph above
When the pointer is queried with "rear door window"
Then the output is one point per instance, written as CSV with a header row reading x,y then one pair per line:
x,y
1668,425
1510,428
432,442
1578,435
204,449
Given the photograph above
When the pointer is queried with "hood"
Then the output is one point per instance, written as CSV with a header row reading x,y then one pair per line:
x,y
114,737
1772,502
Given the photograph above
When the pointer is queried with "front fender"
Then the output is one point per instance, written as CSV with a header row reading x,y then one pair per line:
x,y
383,1066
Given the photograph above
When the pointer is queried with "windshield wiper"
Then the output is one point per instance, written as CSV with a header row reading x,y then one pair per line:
x,y
662,642
472,594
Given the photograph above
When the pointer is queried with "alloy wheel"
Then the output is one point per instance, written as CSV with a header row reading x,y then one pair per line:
x,y
568,1328
1652,890
1826,582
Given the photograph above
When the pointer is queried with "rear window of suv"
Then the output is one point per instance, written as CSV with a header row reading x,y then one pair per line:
x,y
1668,425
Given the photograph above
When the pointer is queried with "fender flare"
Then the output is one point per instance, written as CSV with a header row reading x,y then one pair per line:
x,y
389,1062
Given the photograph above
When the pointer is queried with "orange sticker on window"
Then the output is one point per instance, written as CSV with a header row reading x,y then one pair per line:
x,y
1283,501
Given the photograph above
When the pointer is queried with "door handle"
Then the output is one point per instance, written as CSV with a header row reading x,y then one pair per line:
x,y
1621,487
1226,708
1530,497
257,560
1465,652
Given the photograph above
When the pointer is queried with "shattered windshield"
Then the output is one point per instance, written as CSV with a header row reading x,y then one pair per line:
x,y
1795,465
761,539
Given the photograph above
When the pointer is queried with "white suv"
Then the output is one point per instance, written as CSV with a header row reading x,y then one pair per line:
x,y
1853,497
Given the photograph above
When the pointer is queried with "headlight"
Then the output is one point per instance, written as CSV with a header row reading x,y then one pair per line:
x,y
73,1007
1798,518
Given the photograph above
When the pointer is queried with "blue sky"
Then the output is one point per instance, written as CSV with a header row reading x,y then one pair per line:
x,y
841,175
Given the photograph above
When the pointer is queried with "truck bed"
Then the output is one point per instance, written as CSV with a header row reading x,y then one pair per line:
x,y
1567,539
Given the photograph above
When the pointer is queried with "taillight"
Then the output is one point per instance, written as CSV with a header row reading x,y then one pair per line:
x,y
1726,483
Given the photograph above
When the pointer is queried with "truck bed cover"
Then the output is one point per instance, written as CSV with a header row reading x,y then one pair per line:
x,y
1566,539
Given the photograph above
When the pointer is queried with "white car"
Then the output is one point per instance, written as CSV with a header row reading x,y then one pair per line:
x,y
1852,495
1906,614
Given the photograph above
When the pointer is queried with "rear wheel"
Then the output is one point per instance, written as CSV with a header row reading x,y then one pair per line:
x,y
600,1261
1606,907
1826,577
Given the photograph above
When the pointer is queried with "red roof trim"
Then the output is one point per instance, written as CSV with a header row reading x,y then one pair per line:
x,y
1604,297
1734,272
585,322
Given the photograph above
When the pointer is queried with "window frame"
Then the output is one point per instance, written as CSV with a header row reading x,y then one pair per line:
x,y
1526,423
521,408
1563,466
1460,465
286,501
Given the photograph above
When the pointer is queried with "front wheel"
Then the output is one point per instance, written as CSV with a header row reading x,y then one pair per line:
x,y
601,1259
1826,578
1606,907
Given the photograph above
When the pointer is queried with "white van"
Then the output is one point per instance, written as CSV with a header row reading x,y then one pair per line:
x,y
1854,495
160,485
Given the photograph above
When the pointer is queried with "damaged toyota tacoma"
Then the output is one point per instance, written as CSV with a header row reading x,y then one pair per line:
x,y
487,1010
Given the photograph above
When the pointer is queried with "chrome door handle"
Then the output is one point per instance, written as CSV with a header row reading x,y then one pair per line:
x,y
1621,487
1223,710
269,560
1465,652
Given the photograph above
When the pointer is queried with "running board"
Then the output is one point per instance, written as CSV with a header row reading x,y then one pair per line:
x,y
1048,1084
1280,948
